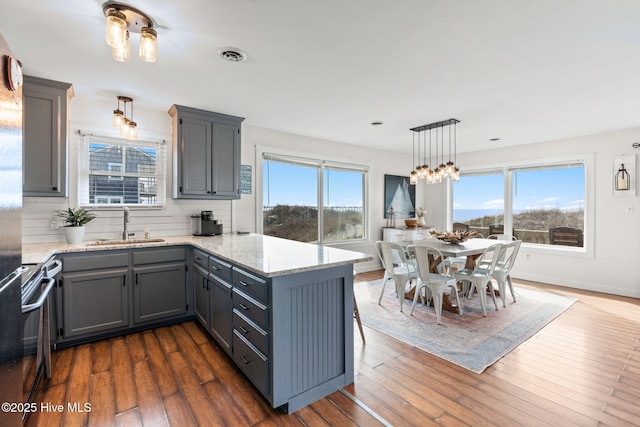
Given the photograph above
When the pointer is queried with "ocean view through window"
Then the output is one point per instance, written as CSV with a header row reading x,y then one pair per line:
x,y
544,205
312,200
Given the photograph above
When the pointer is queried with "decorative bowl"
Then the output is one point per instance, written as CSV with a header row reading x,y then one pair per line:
x,y
454,236
411,222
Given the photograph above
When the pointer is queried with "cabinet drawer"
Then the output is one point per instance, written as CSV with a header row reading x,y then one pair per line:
x,y
220,268
99,261
251,308
201,258
158,256
254,364
253,285
254,334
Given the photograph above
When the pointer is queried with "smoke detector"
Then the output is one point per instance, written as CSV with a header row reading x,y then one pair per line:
x,y
232,54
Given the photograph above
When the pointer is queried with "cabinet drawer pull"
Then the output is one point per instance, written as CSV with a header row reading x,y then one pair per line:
x,y
243,283
136,278
244,307
214,268
124,280
243,330
245,360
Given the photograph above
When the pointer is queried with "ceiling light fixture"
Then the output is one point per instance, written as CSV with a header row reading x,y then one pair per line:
x,y
128,128
448,170
123,19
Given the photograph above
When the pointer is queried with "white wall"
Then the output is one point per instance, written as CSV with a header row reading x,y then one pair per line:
x,y
614,267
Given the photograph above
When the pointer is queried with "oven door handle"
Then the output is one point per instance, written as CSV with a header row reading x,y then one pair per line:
x,y
43,297
52,269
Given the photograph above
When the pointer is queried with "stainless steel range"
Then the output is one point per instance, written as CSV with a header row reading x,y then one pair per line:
x,y
37,283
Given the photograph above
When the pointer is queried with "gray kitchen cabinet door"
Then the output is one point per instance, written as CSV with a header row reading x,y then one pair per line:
x,y
206,150
159,291
221,305
201,295
94,302
226,160
45,129
196,151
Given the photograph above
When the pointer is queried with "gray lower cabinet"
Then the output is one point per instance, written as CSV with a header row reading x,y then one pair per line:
x,y
212,297
45,129
201,295
94,294
110,292
159,291
159,284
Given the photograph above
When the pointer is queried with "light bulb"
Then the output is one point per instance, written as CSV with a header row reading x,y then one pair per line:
x,y
116,29
148,44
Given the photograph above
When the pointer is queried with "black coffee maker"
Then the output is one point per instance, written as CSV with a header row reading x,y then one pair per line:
x,y
206,226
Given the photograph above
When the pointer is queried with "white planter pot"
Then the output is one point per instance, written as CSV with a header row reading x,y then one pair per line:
x,y
74,235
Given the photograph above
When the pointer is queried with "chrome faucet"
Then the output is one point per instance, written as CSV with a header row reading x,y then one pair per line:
x,y
125,234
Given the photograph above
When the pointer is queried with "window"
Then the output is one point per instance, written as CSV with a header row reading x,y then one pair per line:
x,y
479,200
119,172
313,200
545,199
543,204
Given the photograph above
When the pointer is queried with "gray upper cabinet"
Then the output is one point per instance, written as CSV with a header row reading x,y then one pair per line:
x,y
206,154
45,132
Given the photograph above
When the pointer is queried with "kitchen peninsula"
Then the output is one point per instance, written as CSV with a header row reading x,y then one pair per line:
x,y
282,310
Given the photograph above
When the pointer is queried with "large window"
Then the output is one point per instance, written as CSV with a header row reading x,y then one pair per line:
x,y
119,172
479,200
543,204
311,200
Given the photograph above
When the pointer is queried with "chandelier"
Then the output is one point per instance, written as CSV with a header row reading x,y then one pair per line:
x,y
122,19
435,174
128,128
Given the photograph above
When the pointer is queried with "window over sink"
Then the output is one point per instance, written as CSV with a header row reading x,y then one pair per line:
x,y
118,172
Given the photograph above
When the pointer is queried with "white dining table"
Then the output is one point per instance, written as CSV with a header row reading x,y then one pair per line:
x,y
472,249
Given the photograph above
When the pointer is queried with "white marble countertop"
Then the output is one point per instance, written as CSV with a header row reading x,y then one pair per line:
x,y
265,255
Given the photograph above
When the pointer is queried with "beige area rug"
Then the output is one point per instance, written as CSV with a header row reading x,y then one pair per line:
x,y
471,340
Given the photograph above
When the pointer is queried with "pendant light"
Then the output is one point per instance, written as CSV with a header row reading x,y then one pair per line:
x,y
128,128
442,171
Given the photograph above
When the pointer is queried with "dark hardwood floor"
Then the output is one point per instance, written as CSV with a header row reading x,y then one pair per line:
x,y
582,369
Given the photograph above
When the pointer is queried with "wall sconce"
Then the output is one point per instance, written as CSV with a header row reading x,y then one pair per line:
x,y
622,179
122,20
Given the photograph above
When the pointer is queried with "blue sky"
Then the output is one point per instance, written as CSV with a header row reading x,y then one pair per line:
x,y
561,188
295,185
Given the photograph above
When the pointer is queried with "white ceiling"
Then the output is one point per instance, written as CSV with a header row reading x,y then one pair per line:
x,y
519,70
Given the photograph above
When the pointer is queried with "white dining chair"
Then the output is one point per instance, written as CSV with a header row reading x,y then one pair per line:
x,y
503,267
480,277
435,283
402,271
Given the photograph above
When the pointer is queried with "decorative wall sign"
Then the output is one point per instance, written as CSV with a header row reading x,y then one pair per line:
x,y
623,174
245,179
400,195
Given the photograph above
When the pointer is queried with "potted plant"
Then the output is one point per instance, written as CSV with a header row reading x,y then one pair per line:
x,y
74,223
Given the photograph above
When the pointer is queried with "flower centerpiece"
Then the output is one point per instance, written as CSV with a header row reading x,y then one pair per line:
x,y
75,220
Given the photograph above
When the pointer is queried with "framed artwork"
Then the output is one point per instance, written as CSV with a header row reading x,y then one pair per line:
x,y
623,179
400,195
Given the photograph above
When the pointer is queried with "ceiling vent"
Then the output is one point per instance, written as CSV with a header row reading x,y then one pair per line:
x,y
232,54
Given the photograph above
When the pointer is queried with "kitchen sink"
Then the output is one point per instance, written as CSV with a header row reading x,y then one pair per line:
x,y
105,242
